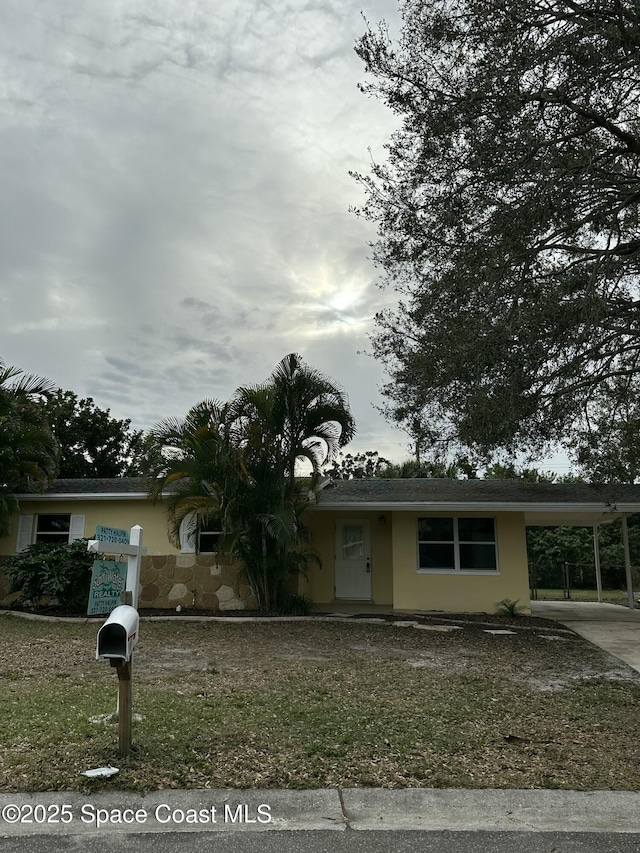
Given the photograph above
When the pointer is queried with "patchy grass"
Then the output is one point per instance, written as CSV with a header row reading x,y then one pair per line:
x,y
313,703
611,596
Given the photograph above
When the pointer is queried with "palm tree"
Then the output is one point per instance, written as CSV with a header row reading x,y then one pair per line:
x,y
28,450
297,415
236,462
312,414
193,464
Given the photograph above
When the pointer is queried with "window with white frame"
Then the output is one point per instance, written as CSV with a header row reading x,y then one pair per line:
x,y
457,544
52,527
209,538
206,539
48,527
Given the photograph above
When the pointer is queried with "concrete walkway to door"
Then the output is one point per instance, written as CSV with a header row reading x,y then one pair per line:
x,y
611,627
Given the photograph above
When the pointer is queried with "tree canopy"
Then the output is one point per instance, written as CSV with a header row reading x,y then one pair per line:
x,y
358,466
507,214
92,443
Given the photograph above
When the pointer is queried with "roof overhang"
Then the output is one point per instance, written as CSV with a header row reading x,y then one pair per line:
x,y
82,496
535,514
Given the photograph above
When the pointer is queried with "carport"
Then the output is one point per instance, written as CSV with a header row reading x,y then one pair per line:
x,y
585,510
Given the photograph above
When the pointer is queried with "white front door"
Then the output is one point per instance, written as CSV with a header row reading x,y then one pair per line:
x,y
353,559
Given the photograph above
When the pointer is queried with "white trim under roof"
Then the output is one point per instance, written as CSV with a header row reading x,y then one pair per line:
x,y
536,514
83,496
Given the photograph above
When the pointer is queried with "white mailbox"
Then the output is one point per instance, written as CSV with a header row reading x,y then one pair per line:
x,y
118,635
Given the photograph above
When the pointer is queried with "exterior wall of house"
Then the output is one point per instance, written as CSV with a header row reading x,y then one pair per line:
x,y
205,581
109,513
320,585
460,591
168,579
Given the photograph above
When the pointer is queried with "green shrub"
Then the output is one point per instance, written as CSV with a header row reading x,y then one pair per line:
x,y
507,607
46,571
294,605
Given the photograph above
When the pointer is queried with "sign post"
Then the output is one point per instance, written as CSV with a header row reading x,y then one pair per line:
x,y
133,550
120,632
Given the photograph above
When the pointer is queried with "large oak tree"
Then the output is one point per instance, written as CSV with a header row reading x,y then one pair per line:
x,y
507,214
91,442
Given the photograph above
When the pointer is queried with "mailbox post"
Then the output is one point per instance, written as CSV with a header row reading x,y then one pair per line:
x,y
119,634
125,709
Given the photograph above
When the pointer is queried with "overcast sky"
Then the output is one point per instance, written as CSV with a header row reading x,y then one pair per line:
x,y
175,198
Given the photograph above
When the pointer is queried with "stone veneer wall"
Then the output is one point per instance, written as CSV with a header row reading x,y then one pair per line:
x,y
200,581
4,586
203,582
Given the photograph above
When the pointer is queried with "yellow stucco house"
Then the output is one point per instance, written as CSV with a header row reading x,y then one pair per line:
x,y
409,545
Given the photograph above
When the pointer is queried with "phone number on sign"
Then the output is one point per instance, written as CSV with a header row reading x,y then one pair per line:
x,y
163,814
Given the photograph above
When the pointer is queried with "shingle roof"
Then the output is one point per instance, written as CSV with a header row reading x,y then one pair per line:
x,y
444,490
94,486
578,504
541,503
402,491
115,485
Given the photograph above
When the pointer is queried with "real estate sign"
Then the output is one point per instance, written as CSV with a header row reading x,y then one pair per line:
x,y
112,534
108,582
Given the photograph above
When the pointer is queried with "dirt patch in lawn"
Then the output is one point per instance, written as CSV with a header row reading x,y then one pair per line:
x,y
537,652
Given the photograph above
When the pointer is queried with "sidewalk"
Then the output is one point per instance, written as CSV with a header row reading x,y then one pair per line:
x,y
70,814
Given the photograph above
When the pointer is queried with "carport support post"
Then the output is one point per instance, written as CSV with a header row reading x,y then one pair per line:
x,y
627,561
124,708
596,554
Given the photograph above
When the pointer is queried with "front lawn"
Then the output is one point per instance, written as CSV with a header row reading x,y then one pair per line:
x,y
312,704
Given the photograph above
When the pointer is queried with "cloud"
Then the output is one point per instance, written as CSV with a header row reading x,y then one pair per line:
x,y
175,196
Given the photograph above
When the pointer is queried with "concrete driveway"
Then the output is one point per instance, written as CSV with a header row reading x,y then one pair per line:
x,y
611,627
